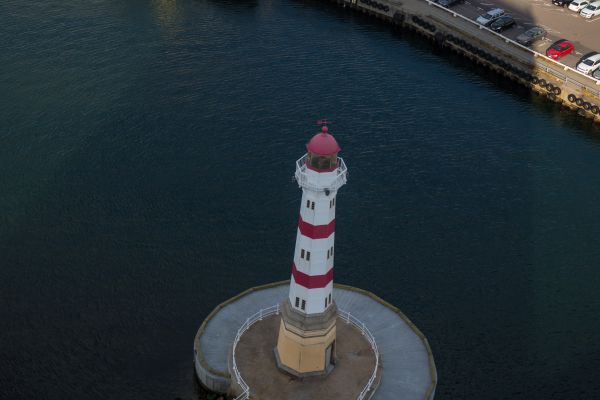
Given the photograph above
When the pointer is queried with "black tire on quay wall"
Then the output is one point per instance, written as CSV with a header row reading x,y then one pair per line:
x,y
542,82
549,87
595,109
579,102
551,96
572,98
535,80
557,91
587,106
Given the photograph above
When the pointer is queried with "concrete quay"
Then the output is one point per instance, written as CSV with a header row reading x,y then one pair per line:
x,y
406,366
458,33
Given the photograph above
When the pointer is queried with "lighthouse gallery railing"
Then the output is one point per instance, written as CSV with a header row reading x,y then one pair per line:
x,y
301,176
265,312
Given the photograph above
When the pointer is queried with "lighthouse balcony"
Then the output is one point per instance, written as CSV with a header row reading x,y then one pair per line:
x,y
320,182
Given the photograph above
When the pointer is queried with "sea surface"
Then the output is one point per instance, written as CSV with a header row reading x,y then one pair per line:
x,y
146,156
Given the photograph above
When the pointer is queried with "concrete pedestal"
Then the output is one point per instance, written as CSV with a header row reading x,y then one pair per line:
x,y
407,366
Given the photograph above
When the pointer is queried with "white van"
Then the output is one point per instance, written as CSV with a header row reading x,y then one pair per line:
x,y
578,5
490,16
592,10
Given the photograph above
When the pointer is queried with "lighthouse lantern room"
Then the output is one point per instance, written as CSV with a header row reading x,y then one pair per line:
x,y
306,340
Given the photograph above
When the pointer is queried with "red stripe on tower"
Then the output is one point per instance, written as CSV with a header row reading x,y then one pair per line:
x,y
311,281
316,231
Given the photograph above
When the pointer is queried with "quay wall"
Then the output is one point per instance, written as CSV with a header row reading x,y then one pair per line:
x,y
448,29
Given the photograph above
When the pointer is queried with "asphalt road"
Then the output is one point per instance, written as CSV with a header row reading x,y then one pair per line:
x,y
560,23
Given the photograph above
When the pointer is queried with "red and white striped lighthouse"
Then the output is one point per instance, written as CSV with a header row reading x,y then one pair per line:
x,y
307,332
319,175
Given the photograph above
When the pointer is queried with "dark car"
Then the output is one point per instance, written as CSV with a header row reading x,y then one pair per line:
x,y
502,23
531,35
561,3
449,3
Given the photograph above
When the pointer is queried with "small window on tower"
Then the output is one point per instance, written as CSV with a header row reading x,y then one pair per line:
x,y
303,305
301,253
329,298
312,206
328,254
307,203
308,256
331,251
297,302
325,302
333,201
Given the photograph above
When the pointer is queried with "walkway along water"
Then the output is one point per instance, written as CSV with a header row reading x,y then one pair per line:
x,y
448,29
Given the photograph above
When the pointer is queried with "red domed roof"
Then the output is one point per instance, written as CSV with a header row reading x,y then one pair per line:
x,y
323,144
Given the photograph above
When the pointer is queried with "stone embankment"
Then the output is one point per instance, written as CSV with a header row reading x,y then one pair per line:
x,y
450,30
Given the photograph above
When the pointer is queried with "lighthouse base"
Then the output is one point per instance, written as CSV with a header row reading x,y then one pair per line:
x,y
409,374
306,343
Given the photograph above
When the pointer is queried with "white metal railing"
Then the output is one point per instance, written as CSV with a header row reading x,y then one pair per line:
x,y
265,312
351,319
535,53
318,184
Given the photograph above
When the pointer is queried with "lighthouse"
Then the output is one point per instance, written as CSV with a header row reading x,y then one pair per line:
x,y
246,342
307,331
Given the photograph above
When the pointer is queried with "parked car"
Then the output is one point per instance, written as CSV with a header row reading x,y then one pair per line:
x,y
490,16
591,10
560,49
561,3
589,64
449,3
502,23
578,5
531,35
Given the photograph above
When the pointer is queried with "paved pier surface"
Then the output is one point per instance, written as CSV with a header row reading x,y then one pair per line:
x,y
408,370
451,29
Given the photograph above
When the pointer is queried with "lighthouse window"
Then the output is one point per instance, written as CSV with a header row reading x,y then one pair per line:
x,y
328,254
323,162
325,302
297,302
303,305
333,200
301,253
312,206
308,256
329,298
307,203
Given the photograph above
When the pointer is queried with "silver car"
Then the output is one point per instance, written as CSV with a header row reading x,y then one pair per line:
x,y
490,16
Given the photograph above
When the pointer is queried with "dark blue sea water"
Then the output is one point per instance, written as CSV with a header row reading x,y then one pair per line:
x,y
146,155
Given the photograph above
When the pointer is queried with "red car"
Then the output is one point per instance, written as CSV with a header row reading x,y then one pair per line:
x,y
560,49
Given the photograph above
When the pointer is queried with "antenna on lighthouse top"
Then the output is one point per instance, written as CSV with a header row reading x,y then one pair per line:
x,y
323,122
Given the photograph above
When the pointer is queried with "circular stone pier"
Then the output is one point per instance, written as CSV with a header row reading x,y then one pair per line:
x,y
405,369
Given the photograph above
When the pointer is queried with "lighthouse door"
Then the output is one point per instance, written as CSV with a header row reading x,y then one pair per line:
x,y
328,355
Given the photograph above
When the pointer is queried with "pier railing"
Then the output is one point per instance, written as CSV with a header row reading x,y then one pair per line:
x,y
301,176
265,312
351,319
560,73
